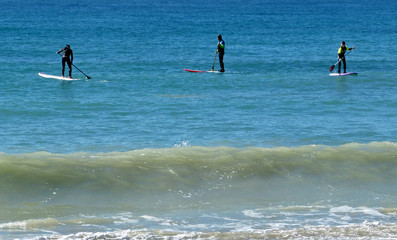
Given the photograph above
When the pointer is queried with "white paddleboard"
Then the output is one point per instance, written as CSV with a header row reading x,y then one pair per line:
x,y
58,77
343,74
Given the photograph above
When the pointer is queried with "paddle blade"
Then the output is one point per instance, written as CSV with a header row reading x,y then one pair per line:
x,y
332,68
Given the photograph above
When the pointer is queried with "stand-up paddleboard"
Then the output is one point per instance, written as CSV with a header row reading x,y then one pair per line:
x,y
199,71
58,77
343,74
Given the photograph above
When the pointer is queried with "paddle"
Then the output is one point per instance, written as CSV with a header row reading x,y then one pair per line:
x,y
77,68
213,65
333,66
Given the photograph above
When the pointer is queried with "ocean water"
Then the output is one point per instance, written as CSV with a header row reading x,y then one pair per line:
x,y
273,148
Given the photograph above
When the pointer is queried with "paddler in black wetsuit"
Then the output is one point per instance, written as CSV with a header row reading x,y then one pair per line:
x,y
67,57
221,50
341,55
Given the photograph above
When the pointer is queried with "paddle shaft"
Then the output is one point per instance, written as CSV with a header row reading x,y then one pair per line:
x,y
213,65
77,68
333,66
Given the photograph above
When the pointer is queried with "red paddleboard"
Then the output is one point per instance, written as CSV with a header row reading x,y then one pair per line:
x,y
199,71
189,70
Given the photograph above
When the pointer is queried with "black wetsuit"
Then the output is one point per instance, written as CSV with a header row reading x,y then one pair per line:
x,y
67,57
221,50
341,55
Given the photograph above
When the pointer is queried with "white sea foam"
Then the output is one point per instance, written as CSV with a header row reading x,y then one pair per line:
x,y
363,210
253,214
31,224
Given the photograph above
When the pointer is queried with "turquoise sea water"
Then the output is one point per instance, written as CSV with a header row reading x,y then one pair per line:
x,y
273,148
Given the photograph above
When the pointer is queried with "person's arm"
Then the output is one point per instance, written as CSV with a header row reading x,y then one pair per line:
x,y
71,55
339,52
60,51
221,44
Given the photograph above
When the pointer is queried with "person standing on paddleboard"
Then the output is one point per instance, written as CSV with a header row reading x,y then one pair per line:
x,y
67,57
341,55
221,50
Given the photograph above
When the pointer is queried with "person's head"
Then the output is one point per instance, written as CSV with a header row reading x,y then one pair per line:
x,y
219,37
67,46
343,43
